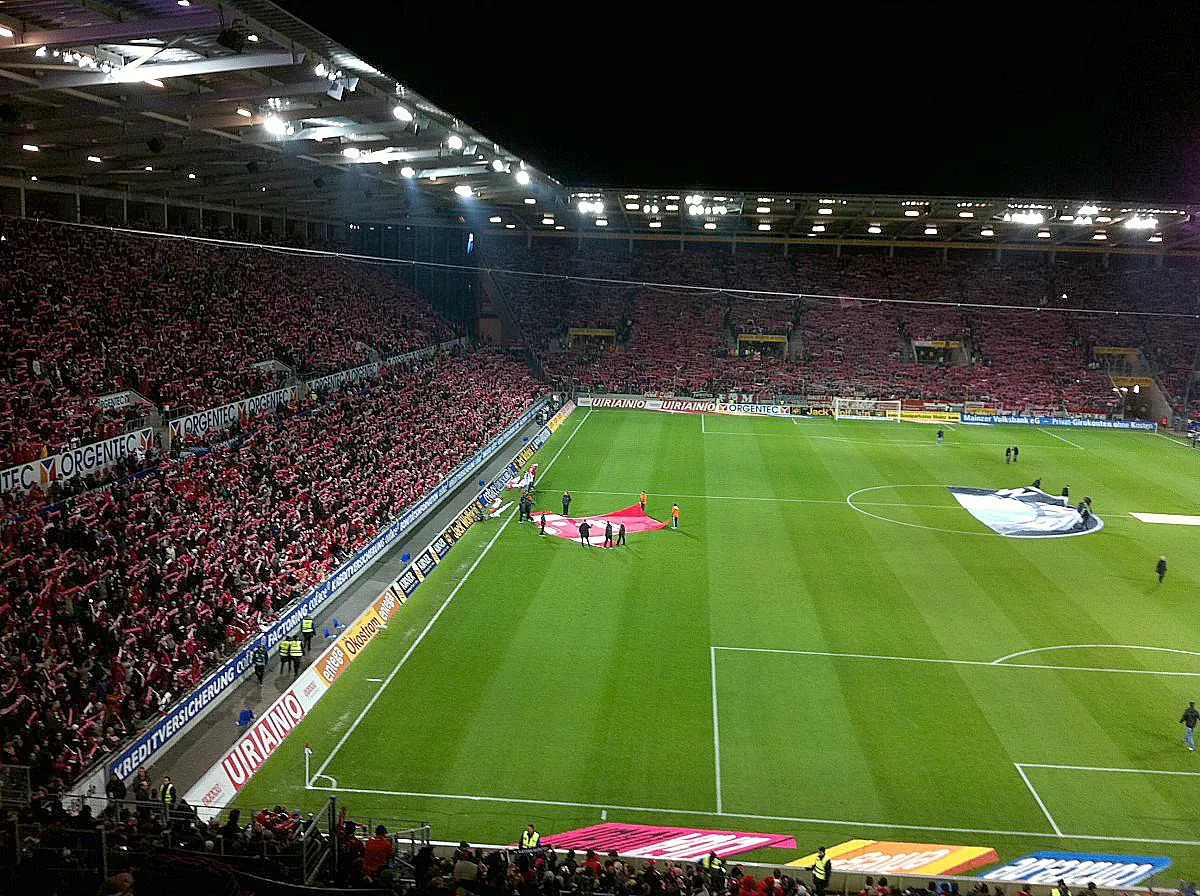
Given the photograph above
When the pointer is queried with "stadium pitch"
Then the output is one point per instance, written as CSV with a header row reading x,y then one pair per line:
x,y
830,646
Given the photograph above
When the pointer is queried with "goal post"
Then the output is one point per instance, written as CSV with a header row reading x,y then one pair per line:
x,y
866,409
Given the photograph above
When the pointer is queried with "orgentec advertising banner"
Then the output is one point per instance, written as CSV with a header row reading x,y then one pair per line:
x,y
686,406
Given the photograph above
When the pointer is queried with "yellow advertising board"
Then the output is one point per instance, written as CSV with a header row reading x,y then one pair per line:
x,y
889,857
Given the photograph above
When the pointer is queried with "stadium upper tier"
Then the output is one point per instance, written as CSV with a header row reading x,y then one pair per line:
x,y
128,594
1030,355
87,312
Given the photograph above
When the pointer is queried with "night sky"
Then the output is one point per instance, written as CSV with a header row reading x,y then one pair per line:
x,y
1050,100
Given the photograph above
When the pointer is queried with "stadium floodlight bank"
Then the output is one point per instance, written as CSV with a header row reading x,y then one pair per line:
x,y
866,409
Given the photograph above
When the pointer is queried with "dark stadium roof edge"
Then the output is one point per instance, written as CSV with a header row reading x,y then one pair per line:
x,y
241,108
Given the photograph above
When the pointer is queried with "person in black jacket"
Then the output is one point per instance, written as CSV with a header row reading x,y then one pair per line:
x,y
115,789
1161,568
566,503
608,539
585,534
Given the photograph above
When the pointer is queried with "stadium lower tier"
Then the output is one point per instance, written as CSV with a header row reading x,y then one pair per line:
x,y
121,598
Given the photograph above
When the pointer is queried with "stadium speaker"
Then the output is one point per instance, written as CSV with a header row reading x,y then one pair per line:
x,y
252,167
319,182
155,144
231,40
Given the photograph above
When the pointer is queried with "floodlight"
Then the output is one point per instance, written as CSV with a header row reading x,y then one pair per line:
x,y
522,177
463,190
455,141
402,113
274,125
408,171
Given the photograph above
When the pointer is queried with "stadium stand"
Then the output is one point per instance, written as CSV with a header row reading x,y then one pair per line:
x,y
682,339
129,593
149,846
85,312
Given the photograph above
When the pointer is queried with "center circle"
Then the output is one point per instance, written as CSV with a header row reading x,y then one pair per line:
x,y
887,519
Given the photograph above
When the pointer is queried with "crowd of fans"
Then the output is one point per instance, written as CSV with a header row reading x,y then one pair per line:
x,y
84,313
1021,348
140,834
121,597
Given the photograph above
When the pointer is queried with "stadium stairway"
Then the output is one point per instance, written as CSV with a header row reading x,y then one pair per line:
x,y
187,761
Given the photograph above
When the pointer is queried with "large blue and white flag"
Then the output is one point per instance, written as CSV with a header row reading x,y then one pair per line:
x,y
1025,512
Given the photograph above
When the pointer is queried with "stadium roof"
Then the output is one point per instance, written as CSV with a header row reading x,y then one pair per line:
x,y
234,104
242,105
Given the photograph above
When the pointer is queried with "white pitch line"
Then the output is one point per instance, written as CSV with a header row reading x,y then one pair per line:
x,y
712,662
702,432
1104,768
1037,796
1061,439
949,662
436,616
1012,656
771,499
780,818
1173,440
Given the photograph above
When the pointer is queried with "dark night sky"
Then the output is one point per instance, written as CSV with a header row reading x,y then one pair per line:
x,y
975,98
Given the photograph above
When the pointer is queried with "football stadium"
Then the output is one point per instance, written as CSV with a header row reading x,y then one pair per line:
x,y
386,512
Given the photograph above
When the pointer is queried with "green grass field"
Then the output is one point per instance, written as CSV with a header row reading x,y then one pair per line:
x,y
787,661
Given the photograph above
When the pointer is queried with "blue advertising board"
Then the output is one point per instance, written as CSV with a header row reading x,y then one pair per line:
x,y
1078,869
1071,422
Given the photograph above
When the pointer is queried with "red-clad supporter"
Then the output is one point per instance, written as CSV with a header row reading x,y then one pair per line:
x,y
377,852
86,312
120,599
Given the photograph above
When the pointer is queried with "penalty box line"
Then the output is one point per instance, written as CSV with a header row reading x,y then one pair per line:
x,y
1021,766
788,819
436,616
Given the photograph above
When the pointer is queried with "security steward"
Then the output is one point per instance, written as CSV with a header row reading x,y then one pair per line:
x,y
530,838
297,653
307,628
167,794
822,870
715,866
259,660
